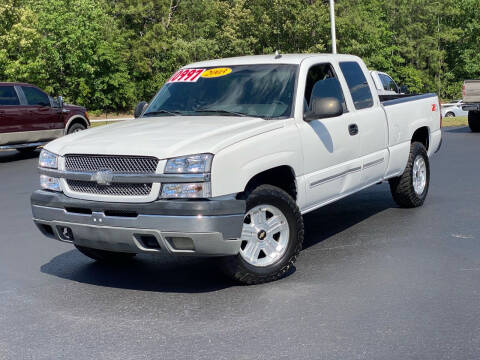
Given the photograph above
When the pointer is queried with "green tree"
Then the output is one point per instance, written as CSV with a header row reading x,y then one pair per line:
x,y
72,48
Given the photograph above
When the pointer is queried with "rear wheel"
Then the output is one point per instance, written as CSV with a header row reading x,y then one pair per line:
x,y
449,114
474,121
272,237
410,189
76,128
104,255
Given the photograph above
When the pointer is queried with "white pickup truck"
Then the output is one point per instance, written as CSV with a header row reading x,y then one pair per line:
x,y
227,158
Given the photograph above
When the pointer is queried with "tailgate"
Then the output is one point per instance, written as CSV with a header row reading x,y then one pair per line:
x,y
471,91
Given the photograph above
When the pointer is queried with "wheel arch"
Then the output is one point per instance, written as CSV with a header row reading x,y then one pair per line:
x,y
422,135
282,176
76,119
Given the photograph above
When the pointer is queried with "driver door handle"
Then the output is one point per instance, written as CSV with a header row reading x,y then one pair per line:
x,y
353,129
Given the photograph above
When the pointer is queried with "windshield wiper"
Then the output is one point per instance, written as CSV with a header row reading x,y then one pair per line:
x,y
223,112
174,113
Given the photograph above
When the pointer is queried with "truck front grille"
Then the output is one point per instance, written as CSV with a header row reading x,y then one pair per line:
x,y
117,164
116,189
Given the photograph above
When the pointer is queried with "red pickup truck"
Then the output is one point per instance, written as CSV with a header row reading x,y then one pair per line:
x,y
29,117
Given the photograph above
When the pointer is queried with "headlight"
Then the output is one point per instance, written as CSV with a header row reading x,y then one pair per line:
x,y
200,163
49,183
48,160
187,190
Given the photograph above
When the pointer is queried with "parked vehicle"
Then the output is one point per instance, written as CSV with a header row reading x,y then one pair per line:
x,y
384,83
227,158
471,103
30,118
453,109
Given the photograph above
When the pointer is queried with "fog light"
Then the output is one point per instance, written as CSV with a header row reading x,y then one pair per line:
x,y
49,183
181,243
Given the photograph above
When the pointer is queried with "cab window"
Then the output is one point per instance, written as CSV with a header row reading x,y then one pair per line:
x,y
388,83
35,96
322,82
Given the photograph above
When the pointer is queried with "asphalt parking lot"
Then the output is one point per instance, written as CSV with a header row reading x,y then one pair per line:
x,y
373,282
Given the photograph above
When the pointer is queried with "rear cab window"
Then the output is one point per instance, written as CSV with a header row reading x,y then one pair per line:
x,y
358,85
8,96
35,96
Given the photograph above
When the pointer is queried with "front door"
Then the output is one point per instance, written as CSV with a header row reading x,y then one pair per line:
x,y
42,113
330,149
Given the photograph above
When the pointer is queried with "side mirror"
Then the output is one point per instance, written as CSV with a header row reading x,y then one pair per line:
x,y
140,108
403,89
60,101
322,108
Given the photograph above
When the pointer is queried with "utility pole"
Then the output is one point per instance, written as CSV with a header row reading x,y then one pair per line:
x,y
332,24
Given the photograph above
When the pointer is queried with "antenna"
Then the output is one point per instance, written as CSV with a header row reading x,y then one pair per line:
x,y
277,54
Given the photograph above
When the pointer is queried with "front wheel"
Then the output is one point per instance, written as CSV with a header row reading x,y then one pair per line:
x,y
272,237
410,189
76,128
474,121
449,114
105,256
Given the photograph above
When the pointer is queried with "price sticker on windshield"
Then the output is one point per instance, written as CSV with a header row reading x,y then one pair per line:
x,y
186,75
217,72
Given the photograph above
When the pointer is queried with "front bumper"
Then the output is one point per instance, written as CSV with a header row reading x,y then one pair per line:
x,y
183,227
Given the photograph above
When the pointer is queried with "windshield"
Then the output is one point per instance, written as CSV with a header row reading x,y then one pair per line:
x,y
265,91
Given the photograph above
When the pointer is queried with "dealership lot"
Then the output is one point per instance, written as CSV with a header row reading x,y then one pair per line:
x,y
374,282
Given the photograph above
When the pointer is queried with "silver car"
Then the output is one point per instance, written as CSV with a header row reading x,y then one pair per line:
x,y
453,109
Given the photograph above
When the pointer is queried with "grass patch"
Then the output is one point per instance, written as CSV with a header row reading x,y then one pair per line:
x,y
455,121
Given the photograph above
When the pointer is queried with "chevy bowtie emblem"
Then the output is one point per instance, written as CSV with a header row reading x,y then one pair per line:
x,y
103,177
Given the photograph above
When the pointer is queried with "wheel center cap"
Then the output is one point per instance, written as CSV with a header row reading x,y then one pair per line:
x,y
262,234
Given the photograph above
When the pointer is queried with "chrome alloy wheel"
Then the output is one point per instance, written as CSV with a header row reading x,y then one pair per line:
x,y
419,175
265,235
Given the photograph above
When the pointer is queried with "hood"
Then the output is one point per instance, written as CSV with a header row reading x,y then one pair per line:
x,y
73,107
164,137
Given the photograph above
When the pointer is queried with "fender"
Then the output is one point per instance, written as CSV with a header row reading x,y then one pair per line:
x,y
74,117
233,167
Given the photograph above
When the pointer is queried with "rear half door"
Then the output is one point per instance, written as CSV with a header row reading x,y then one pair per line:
x,y
370,121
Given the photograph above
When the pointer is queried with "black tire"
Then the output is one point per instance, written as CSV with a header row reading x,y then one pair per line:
x,y
240,270
75,128
105,256
450,114
402,188
474,121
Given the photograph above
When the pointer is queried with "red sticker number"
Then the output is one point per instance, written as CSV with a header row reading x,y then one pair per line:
x,y
186,75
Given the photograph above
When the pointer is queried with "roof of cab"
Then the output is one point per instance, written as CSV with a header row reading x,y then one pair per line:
x,y
295,59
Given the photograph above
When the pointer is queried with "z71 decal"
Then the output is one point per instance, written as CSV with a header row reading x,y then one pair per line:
x,y
186,75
